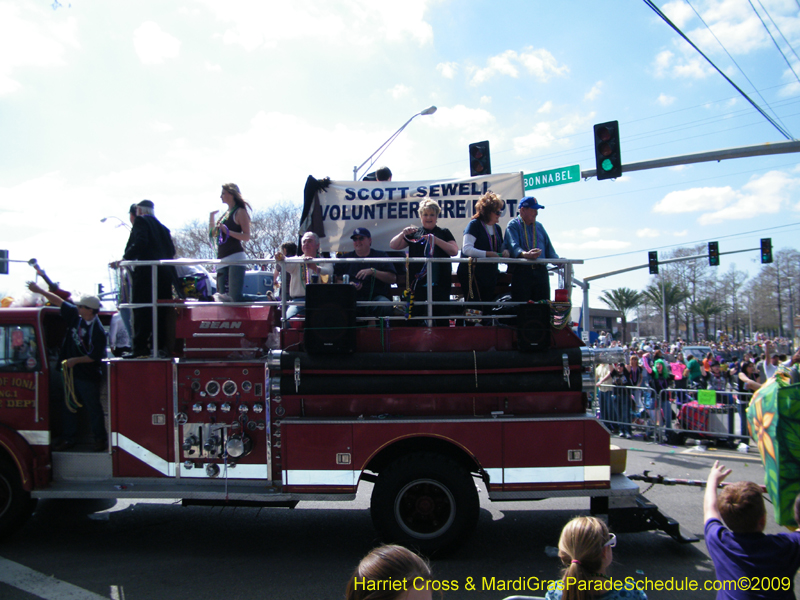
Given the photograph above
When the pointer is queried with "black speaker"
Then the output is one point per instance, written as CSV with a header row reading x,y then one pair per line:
x,y
330,319
533,327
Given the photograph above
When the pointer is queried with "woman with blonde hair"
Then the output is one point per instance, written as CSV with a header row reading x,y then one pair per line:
x,y
429,240
378,570
585,551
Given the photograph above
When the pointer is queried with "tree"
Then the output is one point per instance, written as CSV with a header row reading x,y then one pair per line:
x,y
269,228
704,309
673,296
622,300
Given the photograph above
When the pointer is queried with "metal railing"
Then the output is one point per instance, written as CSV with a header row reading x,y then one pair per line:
x,y
562,266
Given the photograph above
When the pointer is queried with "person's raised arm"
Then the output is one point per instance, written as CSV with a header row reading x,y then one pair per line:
x,y
51,297
715,477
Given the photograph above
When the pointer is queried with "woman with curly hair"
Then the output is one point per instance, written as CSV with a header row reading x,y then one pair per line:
x,y
585,551
483,238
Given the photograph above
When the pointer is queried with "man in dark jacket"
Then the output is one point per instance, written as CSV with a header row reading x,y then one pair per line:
x,y
149,240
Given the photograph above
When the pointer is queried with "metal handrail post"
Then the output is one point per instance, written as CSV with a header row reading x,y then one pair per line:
x,y
154,300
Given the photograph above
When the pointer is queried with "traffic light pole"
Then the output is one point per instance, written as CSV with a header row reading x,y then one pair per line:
x,y
713,156
584,284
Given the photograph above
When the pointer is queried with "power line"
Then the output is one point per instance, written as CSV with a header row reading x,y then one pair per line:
x,y
666,19
718,237
773,37
733,59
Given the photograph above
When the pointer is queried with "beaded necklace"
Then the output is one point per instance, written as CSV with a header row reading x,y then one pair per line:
x,y
525,230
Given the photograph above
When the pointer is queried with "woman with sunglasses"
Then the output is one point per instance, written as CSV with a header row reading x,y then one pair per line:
x,y
585,551
483,238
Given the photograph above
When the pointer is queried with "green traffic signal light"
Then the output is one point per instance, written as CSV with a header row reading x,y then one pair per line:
x,y
713,254
766,251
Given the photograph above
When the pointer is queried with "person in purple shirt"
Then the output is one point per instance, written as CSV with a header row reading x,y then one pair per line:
x,y
736,542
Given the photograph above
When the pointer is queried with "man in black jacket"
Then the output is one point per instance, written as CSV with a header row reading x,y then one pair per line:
x,y
149,240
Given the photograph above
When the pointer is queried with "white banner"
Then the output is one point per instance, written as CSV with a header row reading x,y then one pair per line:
x,y
386,207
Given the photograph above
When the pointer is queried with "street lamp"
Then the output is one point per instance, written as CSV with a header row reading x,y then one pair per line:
x,y
121,222
382,148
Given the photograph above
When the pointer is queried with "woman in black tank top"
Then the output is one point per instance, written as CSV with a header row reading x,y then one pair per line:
x,y
229,233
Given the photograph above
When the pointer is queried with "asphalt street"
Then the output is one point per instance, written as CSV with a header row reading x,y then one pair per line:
x,y
73,550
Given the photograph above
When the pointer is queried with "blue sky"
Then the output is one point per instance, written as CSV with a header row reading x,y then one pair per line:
x,y
105,103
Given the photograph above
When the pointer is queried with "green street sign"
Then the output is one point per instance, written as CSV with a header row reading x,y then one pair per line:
x,y
543,179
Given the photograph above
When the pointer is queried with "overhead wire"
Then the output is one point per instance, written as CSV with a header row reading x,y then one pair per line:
x,y
774,41
721,45
667,20
684,244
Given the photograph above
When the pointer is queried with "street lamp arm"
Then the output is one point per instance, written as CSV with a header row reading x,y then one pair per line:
x,y
382,148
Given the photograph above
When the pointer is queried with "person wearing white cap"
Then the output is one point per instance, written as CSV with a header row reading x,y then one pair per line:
x,y
526,238
82,352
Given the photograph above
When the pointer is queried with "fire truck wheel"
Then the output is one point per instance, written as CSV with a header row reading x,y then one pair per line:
x,y
15,503
425,501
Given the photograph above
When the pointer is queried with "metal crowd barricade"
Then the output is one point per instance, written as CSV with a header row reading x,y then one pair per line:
x,y
564,267
725,420
624,409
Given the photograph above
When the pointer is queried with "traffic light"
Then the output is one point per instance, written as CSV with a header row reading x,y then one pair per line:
x,y
479,160
3,262
766,251
100,289
607,155
713,254
652,259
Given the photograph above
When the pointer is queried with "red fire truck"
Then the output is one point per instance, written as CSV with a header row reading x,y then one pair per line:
x,y
253,411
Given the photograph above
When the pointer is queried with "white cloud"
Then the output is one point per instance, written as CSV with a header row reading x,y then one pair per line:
x,y
213,67
695,200
447,69
486,99
594,92
160,127
545,108
766,194
691,67
665,100
255,24
154,45
399,91
682,233
648,233
547,134
678,12
35,39
539,63
502,64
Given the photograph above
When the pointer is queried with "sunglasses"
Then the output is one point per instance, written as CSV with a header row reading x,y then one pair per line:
x,y
498,212
357,238
612,541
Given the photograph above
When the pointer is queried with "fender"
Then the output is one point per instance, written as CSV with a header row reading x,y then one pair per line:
x,y
21,455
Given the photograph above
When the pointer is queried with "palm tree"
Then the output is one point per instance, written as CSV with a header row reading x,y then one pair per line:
x,y
673,295
622,300
704,309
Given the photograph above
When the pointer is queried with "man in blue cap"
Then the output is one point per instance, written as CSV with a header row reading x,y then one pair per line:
x,y
373,280
525,238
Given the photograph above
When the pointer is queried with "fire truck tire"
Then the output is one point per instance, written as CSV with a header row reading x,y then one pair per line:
x,y
15,503
425,501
